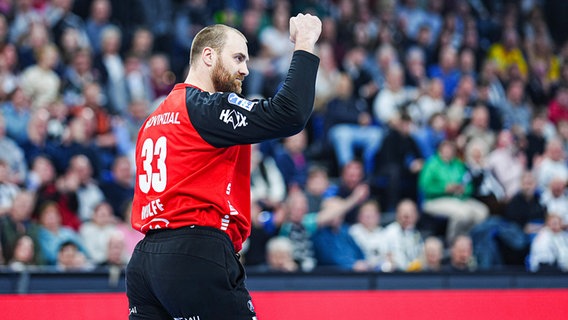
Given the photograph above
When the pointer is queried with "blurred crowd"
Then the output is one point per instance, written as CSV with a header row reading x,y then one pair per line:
x,y
438,140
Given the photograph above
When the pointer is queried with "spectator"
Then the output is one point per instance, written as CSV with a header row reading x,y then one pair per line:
x,y
334,247
162,79
461,256
536,140
447,71
507,163
433,255
399,162
327,78
555,198
351,190
99,19
77,75
404,242
39,81
507,53
267,183
486,187
24,254
369,236
317,187
12,155
299,225
394,98
477,128
96,233
52,234
131,236
429,103
549,249
8,190
89,194
17,223
112,70
448,192
292,159
525,208
118,190
553,164
116,255
70,258
279,255
17,114
431,134
349,126
515,111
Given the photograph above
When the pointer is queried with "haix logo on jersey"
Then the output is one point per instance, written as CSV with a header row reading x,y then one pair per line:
x,y
233,117
233,98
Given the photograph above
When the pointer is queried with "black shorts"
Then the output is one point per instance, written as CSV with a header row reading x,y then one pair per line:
x,y
187,273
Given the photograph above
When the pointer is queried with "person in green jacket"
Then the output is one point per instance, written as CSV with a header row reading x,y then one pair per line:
x,y
446,187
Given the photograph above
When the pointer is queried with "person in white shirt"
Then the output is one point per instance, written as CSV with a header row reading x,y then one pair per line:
x,y
404,243
550,246
368,234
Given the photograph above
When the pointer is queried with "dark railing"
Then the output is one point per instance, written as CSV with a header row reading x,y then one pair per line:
x,y
112,280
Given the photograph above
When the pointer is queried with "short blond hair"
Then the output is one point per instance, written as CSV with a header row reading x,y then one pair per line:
x,y
214,36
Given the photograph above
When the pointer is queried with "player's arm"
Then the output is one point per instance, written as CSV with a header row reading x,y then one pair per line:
x,y
234,120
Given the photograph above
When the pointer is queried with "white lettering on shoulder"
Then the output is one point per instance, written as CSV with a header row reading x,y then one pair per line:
x,y
162,118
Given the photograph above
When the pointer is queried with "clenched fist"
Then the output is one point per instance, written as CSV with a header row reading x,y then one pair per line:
x,y
305,30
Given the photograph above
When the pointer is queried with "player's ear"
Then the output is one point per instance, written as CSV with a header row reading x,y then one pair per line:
x,y
209,56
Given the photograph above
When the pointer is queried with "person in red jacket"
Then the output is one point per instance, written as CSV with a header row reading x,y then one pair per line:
x,y
192,193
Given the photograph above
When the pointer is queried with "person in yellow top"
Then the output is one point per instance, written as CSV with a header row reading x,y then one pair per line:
x,y
508,53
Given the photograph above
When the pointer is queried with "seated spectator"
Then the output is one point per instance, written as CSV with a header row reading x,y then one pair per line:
x,y
24,254
116,255
299,226
403,240
461,256
525,208
334,247
553,164
433,255
131,236
12,155
119,189
398,162
39,81
63,191
89,194
515,111
267,183
448,191
447,71
428,104
549,249
536,139
507,163
96,233
368,234
17,113
555,198
351,190
477,128
431,135
8,190
317,187
52,234
70,258
349,126
279,255
394,98
486,187
292,160
17,223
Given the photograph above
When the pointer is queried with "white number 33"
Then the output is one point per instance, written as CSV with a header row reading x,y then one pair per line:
x,y
150,179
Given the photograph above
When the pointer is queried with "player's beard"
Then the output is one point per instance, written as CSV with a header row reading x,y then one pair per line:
x,y
224,81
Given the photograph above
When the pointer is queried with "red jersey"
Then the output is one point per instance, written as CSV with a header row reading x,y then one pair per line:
x,y
193,152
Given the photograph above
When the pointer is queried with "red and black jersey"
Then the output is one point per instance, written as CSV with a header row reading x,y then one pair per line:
x,y
193,152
